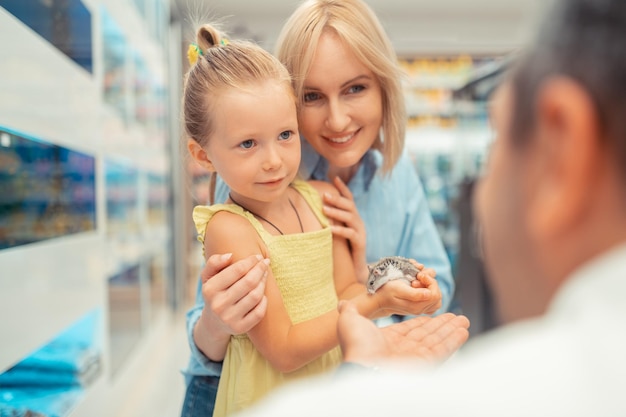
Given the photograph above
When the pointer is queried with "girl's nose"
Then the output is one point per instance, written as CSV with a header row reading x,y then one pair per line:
x,y
273,159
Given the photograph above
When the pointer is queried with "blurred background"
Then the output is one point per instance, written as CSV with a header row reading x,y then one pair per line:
x,y
98,255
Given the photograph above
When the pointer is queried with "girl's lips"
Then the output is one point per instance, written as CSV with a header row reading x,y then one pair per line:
x,y
272,182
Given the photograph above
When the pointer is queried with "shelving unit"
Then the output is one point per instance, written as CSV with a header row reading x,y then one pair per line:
x,y
473,294
447,139
104,96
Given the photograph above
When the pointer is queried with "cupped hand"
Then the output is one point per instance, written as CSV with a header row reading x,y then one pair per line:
x,y
348,224
429,339
423,296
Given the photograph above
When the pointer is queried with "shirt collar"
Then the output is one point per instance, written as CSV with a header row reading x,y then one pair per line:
x,y
314,166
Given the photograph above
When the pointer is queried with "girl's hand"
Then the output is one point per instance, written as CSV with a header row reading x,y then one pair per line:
x,y
348,224
423,296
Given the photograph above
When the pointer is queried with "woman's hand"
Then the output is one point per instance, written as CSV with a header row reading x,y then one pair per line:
x,y
426,280
423,296
234,301
349,225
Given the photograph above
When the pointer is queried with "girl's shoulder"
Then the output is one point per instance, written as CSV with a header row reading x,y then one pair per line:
x,y
221,220
226,228
202,215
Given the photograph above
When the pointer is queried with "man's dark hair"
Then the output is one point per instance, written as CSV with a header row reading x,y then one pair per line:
x,y
584,40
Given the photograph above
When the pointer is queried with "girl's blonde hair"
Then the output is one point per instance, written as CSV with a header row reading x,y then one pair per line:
x,y
360,30
220,65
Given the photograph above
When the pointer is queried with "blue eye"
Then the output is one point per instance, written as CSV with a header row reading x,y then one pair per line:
x,y
311,97
285,135
247,144
356,89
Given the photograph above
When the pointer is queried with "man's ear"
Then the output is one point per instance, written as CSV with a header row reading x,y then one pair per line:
x,y
199,155
566,157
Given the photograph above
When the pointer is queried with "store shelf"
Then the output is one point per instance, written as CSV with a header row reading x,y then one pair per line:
x,y
49,285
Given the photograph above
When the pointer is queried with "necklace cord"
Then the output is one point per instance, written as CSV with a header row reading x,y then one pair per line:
x,y
297,215
267,221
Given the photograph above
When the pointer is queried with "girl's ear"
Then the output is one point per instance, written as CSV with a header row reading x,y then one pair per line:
x,y
199,155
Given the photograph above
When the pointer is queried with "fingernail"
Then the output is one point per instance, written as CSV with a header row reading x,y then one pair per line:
x,y
327,195
258,257
225,256
266,261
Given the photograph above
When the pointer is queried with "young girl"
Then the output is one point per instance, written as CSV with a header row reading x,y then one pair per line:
x,y
240,115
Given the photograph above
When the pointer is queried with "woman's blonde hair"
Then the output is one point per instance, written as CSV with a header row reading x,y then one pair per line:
x,y
360,30
221,64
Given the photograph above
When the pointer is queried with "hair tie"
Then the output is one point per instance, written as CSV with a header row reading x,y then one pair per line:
x,y
193,52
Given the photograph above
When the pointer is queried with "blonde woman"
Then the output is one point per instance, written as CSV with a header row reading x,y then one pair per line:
x,y
351,118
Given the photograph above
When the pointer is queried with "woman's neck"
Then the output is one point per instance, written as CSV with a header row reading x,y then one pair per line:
x,y
345,173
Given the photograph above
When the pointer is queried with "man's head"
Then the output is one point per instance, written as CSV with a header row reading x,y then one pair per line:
x,y
554,195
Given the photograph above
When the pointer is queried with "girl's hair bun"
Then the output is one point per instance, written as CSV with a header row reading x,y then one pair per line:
x,y
206,37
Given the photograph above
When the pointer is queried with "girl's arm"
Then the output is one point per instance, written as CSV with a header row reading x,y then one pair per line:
x,y
230,299
285,345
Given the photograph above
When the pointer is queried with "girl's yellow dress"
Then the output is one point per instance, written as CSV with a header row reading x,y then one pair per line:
x,y
303,268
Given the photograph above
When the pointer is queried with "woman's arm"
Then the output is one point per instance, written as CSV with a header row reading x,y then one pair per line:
x,y
347,223
424,298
